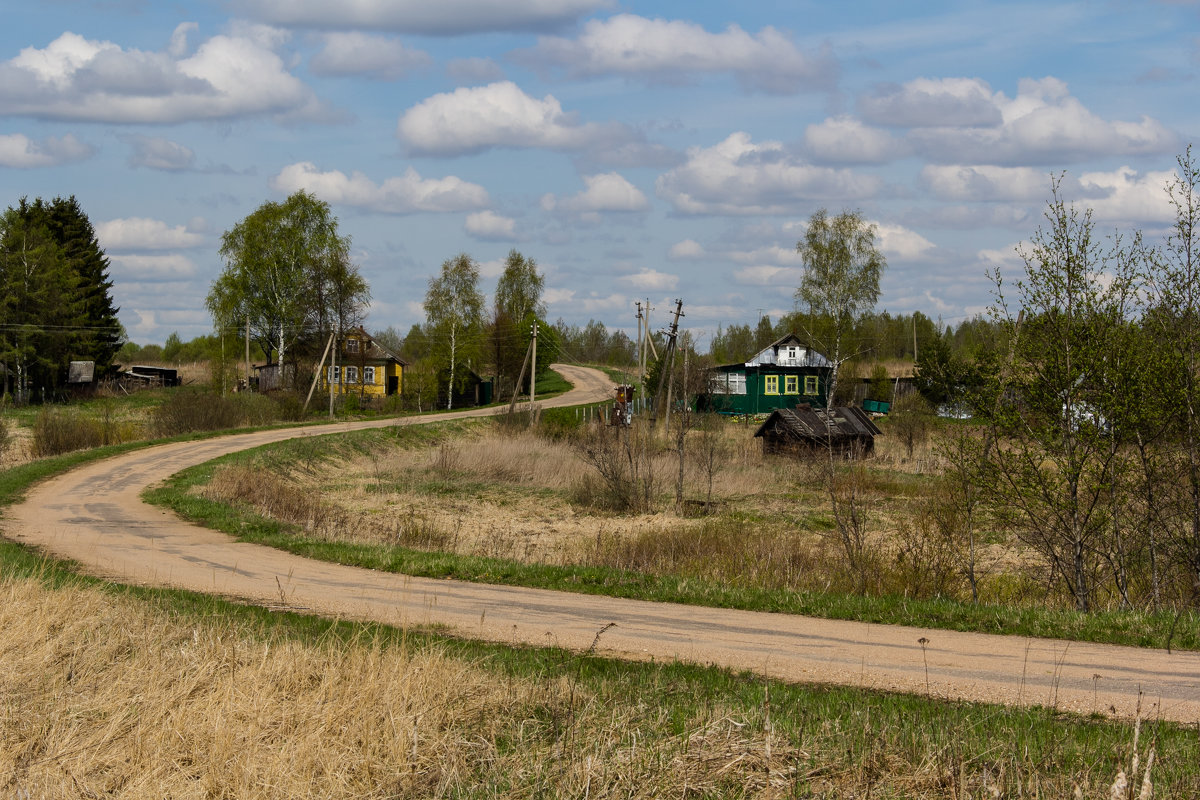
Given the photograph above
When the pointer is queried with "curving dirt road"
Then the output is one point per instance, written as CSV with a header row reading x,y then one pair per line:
x,y
94,516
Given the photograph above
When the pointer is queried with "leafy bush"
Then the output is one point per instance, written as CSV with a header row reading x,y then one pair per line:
x,y
189,411
57,431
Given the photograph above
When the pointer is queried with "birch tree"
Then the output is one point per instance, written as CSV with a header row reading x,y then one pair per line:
x,y
842,268
453,314
287,271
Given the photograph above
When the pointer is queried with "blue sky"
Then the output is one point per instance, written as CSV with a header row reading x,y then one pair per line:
x,y
635,150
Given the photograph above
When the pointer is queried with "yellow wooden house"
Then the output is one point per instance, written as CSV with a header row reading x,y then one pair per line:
x,y
364,366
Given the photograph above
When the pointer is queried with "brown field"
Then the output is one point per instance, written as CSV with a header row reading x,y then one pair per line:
x,y
525,497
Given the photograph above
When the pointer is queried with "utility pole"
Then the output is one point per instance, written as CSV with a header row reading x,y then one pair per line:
x,y
664,376
247,352
333,372
533,372
641,347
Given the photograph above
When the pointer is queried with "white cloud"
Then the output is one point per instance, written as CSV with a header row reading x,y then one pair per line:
x,y
365,54
490,225
773,254
1006,258
985,183
845,140
1043,124
675,51
81,79
1125,196
740,177
20,152
688,248
140,233
405,194
896,241
931,103
556,294
155,152
607,191
470,120
170,267
650,280
769,275
443,18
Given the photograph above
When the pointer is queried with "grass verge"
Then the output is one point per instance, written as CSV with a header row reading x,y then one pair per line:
x,y
1124,628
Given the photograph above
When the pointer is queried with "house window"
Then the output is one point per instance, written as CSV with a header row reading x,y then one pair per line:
x,y
728,383
792,355
737,383
771,385
335,375
351,374
791,384
369,375
810,384
352,345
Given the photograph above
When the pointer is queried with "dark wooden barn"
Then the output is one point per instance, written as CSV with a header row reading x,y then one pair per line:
x,y
804,431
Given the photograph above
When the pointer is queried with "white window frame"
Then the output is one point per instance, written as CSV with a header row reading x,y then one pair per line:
x,y
369,376
351,374
334,375
352,345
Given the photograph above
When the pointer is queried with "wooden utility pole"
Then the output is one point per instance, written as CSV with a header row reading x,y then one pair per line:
x,y
247,352
333,374
641,347
664,375
533,372
512,406
317,375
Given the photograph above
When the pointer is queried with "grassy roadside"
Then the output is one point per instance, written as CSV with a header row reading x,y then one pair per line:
x,y
1125,628
640,730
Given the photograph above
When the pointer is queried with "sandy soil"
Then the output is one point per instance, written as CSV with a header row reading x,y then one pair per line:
x,y
94,515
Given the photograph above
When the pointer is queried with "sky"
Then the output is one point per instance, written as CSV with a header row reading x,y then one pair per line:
x,y
637,151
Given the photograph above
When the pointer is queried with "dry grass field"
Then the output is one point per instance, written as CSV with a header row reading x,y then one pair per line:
x,y
104,697
534,499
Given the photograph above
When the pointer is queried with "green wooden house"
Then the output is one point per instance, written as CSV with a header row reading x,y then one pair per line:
x,y
782,375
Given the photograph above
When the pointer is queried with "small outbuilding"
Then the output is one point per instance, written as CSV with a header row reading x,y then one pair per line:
x,y
804,431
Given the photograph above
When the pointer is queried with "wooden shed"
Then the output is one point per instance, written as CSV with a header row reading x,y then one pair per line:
x,y
804,430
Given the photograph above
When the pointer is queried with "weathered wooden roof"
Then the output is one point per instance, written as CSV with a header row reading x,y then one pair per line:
x,y
818,424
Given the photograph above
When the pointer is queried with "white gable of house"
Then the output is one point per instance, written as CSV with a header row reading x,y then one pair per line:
x,y
788,352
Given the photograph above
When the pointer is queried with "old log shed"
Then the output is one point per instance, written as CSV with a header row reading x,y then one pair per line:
x,y
804,431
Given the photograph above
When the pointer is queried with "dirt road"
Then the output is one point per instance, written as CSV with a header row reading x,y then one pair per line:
x,y
94,516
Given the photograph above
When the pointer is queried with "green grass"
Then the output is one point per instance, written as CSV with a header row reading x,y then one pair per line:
x,y
1126,628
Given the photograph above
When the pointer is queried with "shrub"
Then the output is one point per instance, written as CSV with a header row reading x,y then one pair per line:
x,y
189,411
254,409
881,384
910,420
288,406
6,438
57,431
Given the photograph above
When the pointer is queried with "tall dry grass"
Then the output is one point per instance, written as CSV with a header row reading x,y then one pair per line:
x,y
103,697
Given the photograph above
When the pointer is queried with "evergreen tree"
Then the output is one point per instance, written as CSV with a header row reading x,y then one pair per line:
x,y
74,233
56,305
